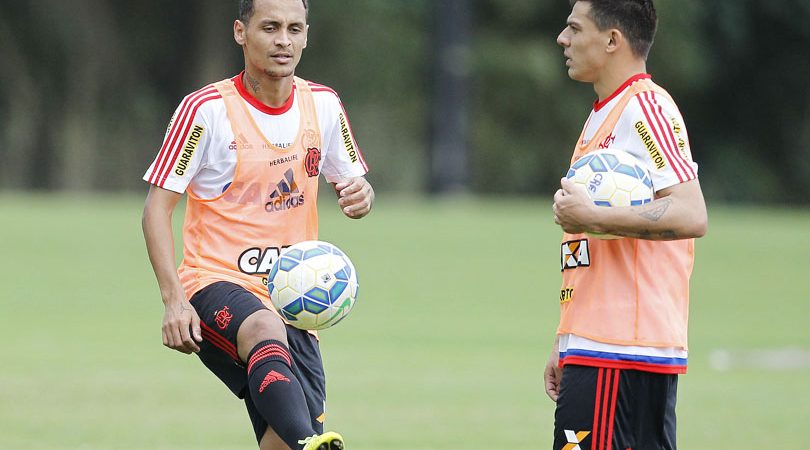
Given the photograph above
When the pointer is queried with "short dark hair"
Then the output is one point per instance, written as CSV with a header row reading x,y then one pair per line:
x,y
636,19
246,9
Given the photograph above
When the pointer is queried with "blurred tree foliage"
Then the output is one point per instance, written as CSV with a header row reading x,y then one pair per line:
x,y
88,87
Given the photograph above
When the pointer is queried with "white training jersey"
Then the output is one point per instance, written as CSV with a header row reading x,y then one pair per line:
x,y
652,129
199,151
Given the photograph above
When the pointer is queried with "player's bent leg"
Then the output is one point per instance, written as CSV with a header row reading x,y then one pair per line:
x,y
260,326
308,367
273,386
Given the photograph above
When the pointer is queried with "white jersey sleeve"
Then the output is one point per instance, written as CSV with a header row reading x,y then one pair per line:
x,y
186,143
657,136
342,157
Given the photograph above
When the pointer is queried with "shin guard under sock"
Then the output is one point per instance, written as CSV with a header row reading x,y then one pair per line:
x,y
277,393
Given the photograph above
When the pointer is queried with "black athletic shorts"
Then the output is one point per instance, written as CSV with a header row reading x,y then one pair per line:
x,y
615,409
222,308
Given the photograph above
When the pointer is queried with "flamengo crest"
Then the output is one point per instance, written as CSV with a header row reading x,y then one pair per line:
x,y
223,318
312,162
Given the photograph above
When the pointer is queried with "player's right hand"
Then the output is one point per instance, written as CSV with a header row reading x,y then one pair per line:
x,y
181,327
573,208
552,375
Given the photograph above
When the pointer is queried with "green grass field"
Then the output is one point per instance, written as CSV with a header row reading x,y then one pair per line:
x,y
446,344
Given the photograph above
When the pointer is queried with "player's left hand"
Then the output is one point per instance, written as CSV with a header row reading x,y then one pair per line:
x,y
355,197
573,208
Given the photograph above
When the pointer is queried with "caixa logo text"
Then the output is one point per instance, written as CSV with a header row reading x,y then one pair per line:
x,y
255,261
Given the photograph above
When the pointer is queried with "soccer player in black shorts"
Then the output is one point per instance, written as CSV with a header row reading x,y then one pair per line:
x,y
249,150
622,338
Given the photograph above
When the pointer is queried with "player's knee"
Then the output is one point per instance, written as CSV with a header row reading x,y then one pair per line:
x,y
258,327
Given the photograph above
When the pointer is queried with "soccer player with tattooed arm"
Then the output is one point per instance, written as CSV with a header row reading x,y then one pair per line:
x,y
247,152
622,338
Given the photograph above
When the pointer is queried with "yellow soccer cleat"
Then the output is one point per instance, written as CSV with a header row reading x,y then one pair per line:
x,y
327,441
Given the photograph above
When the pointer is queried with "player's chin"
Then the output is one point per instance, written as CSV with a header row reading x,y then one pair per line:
x,y
583,76
576,76
280,72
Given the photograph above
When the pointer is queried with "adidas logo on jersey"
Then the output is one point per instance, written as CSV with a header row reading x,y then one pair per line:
x,y
286,196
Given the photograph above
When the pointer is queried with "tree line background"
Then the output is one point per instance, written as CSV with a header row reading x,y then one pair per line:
x,y
88,88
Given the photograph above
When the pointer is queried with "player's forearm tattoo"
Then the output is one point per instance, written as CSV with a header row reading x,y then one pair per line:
x,y
254,83
655,214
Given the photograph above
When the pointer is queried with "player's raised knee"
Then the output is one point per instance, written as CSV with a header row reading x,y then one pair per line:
x,y
260,326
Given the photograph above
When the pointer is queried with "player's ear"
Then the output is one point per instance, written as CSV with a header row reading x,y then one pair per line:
x,y
615,40
239,32
306,37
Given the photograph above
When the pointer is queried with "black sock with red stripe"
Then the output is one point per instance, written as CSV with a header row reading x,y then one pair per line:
x,y
277,393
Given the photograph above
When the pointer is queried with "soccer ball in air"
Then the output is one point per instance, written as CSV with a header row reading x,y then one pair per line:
x,y
612,178
313,285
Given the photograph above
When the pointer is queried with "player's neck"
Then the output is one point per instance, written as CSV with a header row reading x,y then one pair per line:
x,y
273,92
613,77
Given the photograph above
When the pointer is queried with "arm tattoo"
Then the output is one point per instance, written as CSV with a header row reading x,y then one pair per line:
x,y
254,83
655,214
